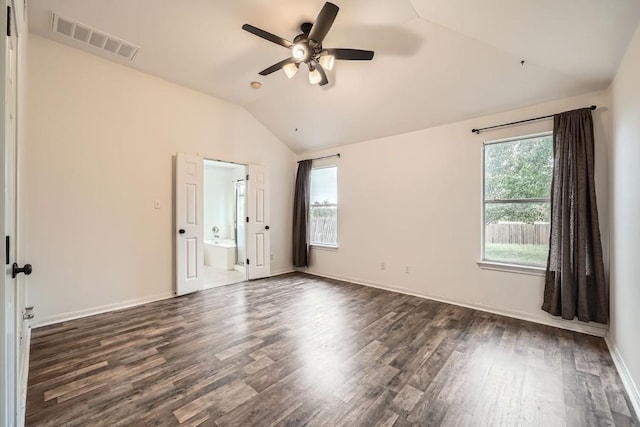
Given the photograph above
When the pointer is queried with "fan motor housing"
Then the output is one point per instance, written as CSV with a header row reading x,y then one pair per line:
x,y
306,27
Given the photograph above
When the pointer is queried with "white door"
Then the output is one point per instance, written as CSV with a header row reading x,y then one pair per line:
x,y
9,325
258,235
189,230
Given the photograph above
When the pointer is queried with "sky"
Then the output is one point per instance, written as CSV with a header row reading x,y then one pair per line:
x,y
324,185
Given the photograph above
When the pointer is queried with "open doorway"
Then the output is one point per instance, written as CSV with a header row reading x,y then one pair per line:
x,y
224,203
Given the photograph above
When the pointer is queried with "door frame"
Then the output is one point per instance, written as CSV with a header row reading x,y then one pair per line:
x,y
13,389
237,219
248,168
246,235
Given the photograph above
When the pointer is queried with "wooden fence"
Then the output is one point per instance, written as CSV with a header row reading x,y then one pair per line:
x,y
323,223
323,226
518,233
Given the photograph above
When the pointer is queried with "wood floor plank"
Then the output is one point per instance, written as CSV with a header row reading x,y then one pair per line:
x,y
406,399
298,350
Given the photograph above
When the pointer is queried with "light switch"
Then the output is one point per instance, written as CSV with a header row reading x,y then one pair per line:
x,y
156,204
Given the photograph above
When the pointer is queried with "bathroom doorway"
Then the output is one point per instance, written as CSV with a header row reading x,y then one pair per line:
x,y
224,207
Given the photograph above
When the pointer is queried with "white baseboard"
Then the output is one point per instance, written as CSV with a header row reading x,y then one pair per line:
x,y
585,328
627,380
63,317
281,272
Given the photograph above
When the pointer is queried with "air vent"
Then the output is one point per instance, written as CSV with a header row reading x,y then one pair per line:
x,y
98,39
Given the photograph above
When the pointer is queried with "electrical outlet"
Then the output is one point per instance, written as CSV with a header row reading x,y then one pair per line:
x,y
407,269
382,266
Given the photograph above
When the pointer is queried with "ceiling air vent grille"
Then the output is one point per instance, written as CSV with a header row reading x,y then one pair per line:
x,y
98,39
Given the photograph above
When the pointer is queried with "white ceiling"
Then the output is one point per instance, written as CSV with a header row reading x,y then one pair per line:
x,y
436,62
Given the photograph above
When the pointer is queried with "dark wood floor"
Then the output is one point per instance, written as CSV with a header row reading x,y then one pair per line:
x,y
299,350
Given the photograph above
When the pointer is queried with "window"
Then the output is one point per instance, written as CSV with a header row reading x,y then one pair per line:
x,y
323,207
516,206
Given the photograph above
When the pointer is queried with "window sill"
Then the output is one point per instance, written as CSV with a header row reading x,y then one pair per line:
x,y
512,268
324,247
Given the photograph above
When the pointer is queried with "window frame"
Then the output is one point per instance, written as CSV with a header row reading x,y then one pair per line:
x,y
489,264
329,163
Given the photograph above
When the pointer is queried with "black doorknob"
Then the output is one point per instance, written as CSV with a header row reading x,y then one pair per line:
x,y
266,227
15,270
181,231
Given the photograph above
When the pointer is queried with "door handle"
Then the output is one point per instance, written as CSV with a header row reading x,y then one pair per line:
x,y
181,231
266,227
15,270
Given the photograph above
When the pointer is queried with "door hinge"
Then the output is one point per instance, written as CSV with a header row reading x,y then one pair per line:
x,y
247,261
247,219
28,314
8,21
247,177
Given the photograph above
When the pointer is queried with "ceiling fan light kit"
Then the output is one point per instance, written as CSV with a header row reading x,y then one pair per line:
x,y
314,76
290,69
307,48
300,52
327,61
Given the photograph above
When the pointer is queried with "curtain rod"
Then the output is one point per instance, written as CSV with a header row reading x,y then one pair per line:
x,y
324,157
477,131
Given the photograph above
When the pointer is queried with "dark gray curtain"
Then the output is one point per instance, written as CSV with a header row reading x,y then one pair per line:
x,y
575,283
301,214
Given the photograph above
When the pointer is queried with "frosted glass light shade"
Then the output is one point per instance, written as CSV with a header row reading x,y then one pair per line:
x,y
315,77
290,70
299,52
327,61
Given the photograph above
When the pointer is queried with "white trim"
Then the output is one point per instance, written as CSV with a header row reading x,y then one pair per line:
x,y
63,317
517,138
516,268
324,246
24,376
585,328
627,380
330,162
511,268
37,323
281,272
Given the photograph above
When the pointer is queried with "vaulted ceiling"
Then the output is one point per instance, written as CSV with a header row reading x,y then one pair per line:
x,y
436,61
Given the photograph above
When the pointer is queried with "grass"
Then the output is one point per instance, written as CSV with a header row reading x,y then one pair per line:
x,y
518,254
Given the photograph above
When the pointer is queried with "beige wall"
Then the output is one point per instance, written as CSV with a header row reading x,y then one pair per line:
x,y
415,200
100,142
624,335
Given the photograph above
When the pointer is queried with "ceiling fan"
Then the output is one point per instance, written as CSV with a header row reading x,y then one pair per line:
x,y
307,49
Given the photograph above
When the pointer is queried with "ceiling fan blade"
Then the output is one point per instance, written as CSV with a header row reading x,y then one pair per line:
x,y
324,80
276,67
351,54
267,36
323,23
